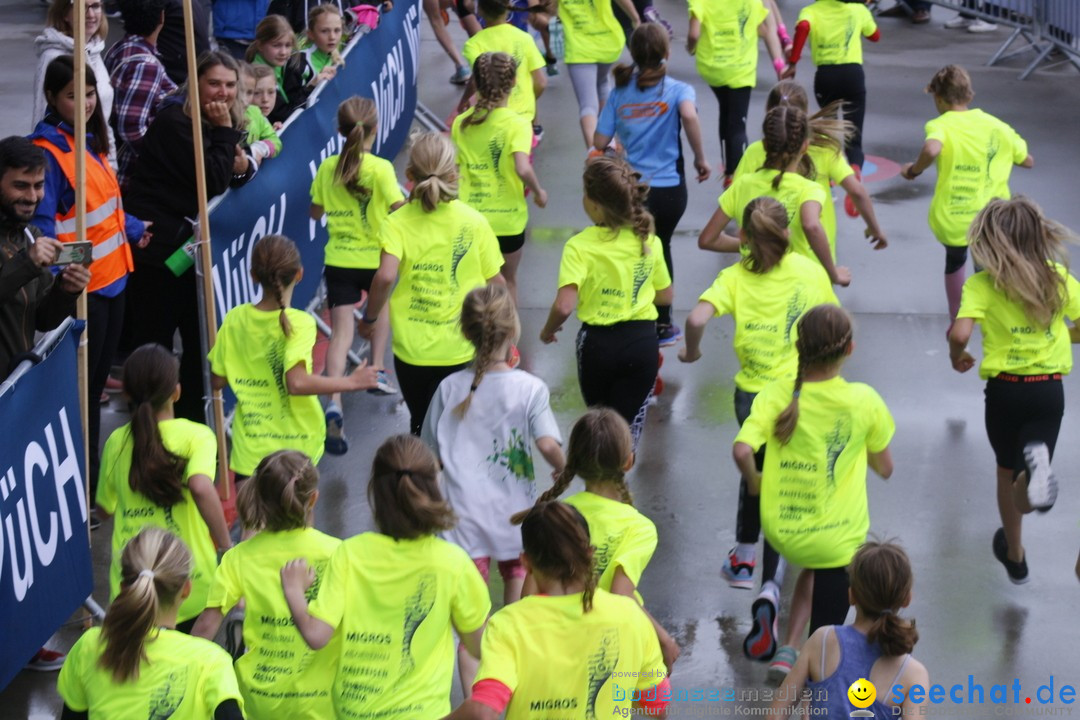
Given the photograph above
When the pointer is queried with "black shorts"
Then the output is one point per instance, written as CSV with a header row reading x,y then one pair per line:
x,y
511,243
463,8
346,286
955,258
1021,410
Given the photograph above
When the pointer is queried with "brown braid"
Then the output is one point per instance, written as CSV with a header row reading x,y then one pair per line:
x,y
825,333
494,73
488,320
784,131
275,264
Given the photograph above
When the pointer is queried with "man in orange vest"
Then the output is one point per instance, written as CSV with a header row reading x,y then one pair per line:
x,y
31,298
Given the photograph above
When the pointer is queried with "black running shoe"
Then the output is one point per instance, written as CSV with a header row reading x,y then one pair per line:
x,y
1018,571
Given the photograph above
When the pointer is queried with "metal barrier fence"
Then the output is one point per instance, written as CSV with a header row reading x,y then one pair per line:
x,y
1043,26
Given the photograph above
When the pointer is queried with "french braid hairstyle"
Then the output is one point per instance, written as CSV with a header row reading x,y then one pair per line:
x,y
357,120
825,334
828,129
275,263
278,496
599,450
619,193
494,74
784,131
555,537
488,320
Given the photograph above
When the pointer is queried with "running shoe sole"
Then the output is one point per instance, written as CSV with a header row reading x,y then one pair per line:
x,y
335,444
760,644
1017,572
1042,485
735,579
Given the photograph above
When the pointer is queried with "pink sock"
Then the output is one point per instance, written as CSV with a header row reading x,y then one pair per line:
x,y
782,33
954,286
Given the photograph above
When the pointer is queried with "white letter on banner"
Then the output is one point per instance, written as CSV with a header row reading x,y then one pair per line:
x,y
35,459
65,471
19,583
5,482
412,36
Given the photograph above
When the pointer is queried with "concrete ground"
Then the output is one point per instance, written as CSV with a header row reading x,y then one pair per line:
x,y
940,502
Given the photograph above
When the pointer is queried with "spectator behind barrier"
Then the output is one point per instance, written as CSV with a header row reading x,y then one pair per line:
x,y
30,297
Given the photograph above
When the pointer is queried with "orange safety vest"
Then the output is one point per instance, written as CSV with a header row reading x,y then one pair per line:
x,y
104,215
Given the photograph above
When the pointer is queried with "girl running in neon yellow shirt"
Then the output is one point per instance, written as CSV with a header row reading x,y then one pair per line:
x,y
820,432
836,29
1020,300
765,293
263,352
136,665
279,675
493,144
158,470
975,153
392,597
827,164
614,275
437,248
601,452
723,39
356,191
786,137
574,648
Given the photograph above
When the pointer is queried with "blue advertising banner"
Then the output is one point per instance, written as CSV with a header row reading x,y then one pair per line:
x,y
45,571
381,65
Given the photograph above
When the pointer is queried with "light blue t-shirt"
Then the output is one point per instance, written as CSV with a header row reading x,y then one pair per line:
x,y
648,126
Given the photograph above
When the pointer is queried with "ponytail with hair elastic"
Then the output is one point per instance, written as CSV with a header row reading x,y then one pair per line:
x,y
555,537
881,582
357,119
765,224
433,169
150,377
649,46
404,490
155,566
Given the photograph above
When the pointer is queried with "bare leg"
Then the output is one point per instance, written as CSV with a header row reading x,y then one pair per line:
x,y
800,608
341,339
432,10
512,590
509,272
1010,515
588,129
380,338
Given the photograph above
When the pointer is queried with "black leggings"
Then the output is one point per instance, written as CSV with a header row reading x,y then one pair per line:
x,y
166,303
845,82
667,205
617,366
104,321
829,604
748,519
418,385
1020,412
734,107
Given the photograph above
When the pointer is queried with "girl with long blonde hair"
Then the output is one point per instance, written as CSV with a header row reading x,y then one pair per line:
x,y
1020,299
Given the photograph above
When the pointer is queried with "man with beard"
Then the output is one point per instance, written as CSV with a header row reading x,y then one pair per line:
x,y
31,298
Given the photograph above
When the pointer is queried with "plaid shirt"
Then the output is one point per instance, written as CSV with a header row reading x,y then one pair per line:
x,y
140,82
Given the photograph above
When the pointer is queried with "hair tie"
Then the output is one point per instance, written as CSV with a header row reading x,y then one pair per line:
x,y
402,473
795,394
147,573
886,611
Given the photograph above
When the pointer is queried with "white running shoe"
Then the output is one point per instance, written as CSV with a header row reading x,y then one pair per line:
x,y
959,23
1042,485
981,26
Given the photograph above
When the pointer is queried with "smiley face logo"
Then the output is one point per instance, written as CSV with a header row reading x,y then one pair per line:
x,y
862,693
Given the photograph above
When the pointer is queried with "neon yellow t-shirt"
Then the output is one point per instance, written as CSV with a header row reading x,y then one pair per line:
x,y
835,30
616,282
393,602
253,353
793,193
444,254
830,167
182,678
279,675
353,224
489,179
593,35
727,53
766,309
622,536
1011,342
133,511
978,152
561,662
813,489
519,44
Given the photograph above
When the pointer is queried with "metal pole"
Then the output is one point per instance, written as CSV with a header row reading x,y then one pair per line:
x,y
78,32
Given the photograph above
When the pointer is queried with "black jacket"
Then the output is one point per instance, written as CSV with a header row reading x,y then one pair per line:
x,y
162,186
